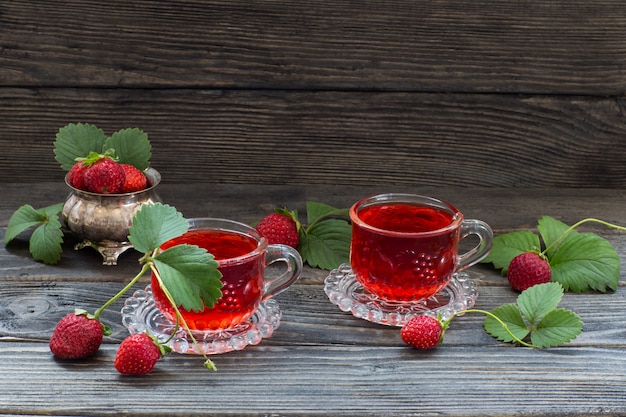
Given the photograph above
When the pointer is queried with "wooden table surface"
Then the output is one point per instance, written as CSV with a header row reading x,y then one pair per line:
x,y
320,361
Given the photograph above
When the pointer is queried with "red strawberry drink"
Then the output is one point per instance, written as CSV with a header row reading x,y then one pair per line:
x,y
242,255
405,247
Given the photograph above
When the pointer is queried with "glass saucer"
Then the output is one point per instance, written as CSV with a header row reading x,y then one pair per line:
x,y
139,314
348,294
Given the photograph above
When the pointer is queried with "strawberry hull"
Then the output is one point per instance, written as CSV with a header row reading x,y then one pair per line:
x,y
102,220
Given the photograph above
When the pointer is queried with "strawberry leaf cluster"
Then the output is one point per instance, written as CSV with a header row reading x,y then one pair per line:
x,y
188,272
77,140
579,261
45,243
325,241
535,317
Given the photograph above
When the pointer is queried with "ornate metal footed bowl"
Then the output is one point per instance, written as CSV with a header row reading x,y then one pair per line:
x,y
102,220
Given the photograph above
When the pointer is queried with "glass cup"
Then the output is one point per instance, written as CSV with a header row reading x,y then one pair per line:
x,y
242,255
405,247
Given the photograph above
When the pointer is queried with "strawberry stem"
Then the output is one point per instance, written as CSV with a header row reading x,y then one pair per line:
x,y
496,318
122,291
587,220
148,264
180,319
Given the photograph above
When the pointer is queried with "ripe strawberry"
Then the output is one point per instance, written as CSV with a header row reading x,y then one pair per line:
x,y
105,176
528,269
422,332
76,175
135,179
138,354
280,228
76,336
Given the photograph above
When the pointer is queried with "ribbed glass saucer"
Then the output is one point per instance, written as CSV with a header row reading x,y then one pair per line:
x,y
348,294
140,314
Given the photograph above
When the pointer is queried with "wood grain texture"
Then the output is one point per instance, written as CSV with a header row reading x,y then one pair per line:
x,y
504,209
30,310
320,361
322,381
513,94
293,137
573,47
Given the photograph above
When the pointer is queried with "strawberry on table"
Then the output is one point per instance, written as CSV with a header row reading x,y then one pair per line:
x,y
138,354
76,336
422,332
280,227
135,180
528,269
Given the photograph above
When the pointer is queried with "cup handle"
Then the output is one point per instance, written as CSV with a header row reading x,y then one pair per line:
x,y
481,250
287,254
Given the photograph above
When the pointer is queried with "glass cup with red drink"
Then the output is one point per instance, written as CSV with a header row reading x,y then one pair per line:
x,y
243,256
405,247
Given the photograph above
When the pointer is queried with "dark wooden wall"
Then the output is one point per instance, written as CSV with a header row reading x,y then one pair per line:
x,y
516,93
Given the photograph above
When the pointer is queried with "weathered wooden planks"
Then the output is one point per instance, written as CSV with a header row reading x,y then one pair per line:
x,y
29,310
292,137
571,47
503,208
321,381
321,361
508,94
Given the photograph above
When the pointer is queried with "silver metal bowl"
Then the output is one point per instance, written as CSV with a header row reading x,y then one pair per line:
x,y
102,220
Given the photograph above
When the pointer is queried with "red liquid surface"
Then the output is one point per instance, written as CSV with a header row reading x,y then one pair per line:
x,y
243,282
401,268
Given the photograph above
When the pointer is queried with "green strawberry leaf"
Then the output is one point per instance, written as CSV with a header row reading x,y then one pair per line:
x,y
190,275
535,313
579,261
508,246
551,231
586,262
46,240
131,147
53,210
188,272
316,211
583,261
22,219
538,300
154,224
559,326
326,244
77,141
512,317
